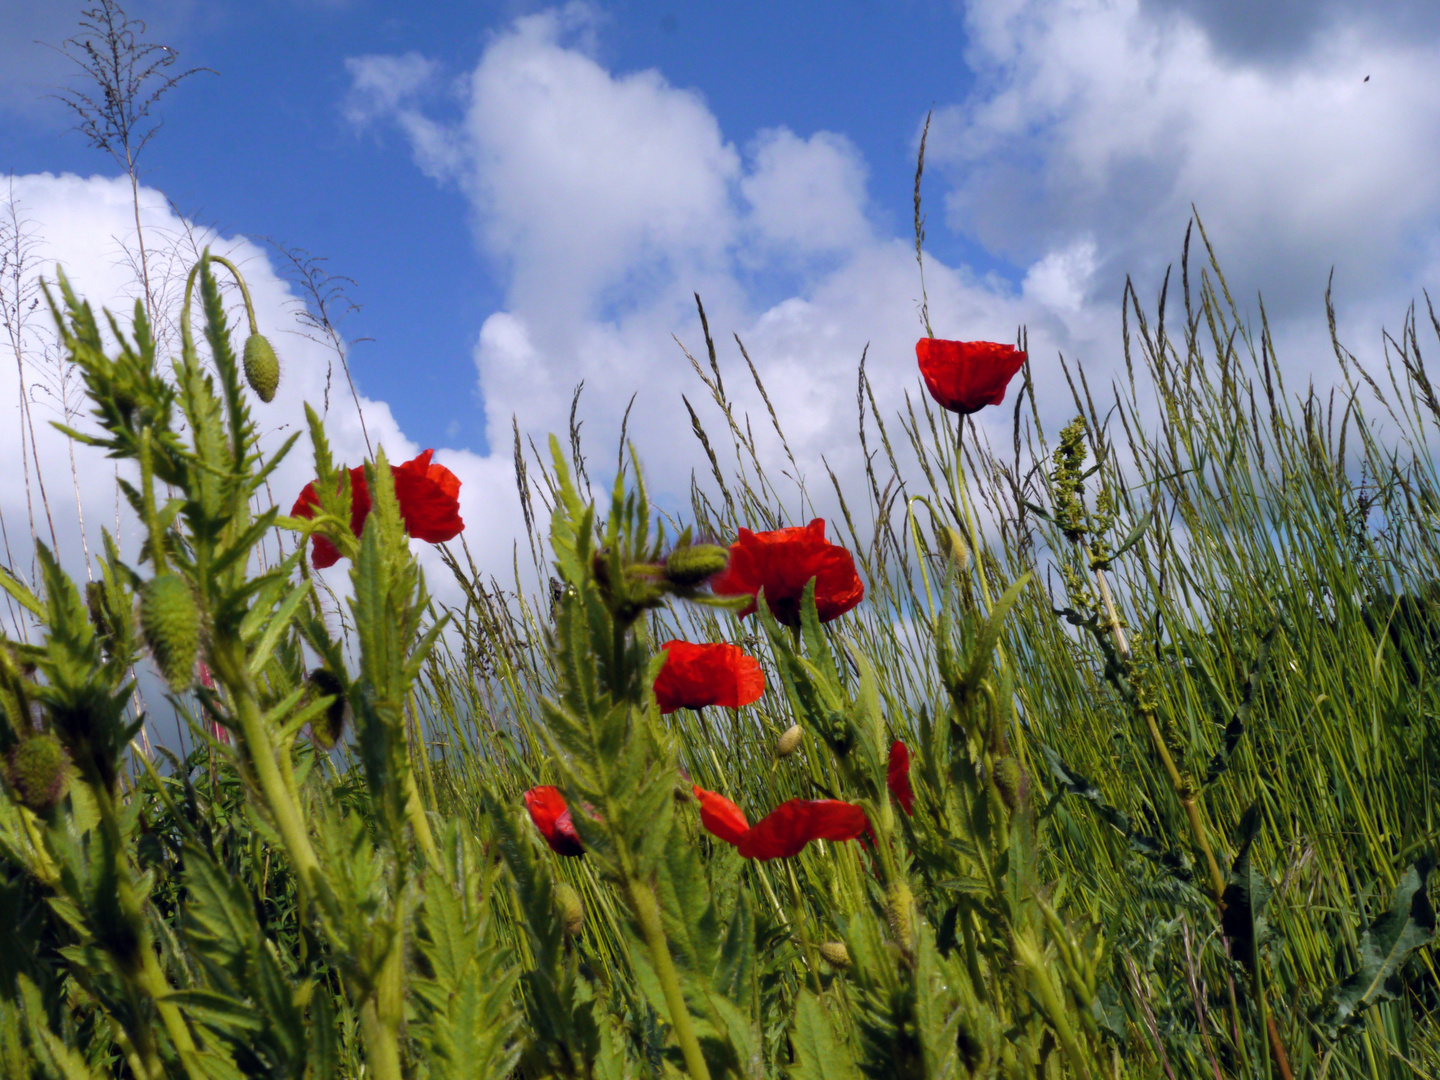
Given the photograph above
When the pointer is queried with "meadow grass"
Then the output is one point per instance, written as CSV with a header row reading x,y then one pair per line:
x,y
1200,620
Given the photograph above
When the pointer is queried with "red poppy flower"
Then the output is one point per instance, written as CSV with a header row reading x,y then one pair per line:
x,y
785,830
552,817
897,776
782,562
698,675
429,504
965,376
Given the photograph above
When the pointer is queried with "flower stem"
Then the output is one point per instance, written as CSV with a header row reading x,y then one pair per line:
x,y
647,913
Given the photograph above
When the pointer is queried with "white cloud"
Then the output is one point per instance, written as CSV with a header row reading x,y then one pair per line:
x,y
86,226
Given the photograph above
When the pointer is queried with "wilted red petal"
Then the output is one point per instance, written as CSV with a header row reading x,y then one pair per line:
x,y
721,817
782,562
698,675
552,817
790,826
965,376
429,501
897,776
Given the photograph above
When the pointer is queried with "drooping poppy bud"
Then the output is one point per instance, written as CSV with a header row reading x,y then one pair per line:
x,y
571,908
552,817
902,921
170,619
99,610
1009,779
782,562
835,953
691,565
327,728
966,376
897,776
695,676
262,368
39,772
789,740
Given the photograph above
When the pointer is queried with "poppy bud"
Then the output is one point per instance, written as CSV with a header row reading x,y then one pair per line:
x,y
571,908
99,609
790,740
953,547
1009,780
327,728
262,369
39,772
171,621
835,953
692,565
901,921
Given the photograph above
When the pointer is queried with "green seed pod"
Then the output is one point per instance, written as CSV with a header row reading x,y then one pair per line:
x,y
171,621
1009,781
571,908
789,741
327,728
692,565
262,368
39,772
835,954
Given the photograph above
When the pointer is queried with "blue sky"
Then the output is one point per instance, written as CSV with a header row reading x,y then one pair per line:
x,y
263,148
528,194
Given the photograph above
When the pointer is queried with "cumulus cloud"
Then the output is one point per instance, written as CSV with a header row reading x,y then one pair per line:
x,y
1109,120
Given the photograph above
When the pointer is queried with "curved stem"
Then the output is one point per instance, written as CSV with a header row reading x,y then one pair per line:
x,y
647,913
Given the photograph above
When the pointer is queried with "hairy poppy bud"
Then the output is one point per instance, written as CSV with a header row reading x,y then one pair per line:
x,y
789,741
692,565
571,908
39,772
835,953
262,369
1009,780
327,728
171,621
99,609
953,547
901,922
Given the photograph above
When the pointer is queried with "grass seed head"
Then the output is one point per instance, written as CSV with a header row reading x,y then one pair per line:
x,y
171,621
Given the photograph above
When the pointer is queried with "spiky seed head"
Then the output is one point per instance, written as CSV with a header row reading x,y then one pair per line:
x,y
171,621
789,740
571,908
691,565
1009,780
953,547
39,772
327,728
262,368
835,953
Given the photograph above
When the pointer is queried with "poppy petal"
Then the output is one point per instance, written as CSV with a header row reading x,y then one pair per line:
x,y
695,676
721,817
897,776
790,826
552,817
966,376
782,562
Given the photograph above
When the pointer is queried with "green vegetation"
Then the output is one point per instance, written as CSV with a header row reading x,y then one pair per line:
x,y
1168,684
